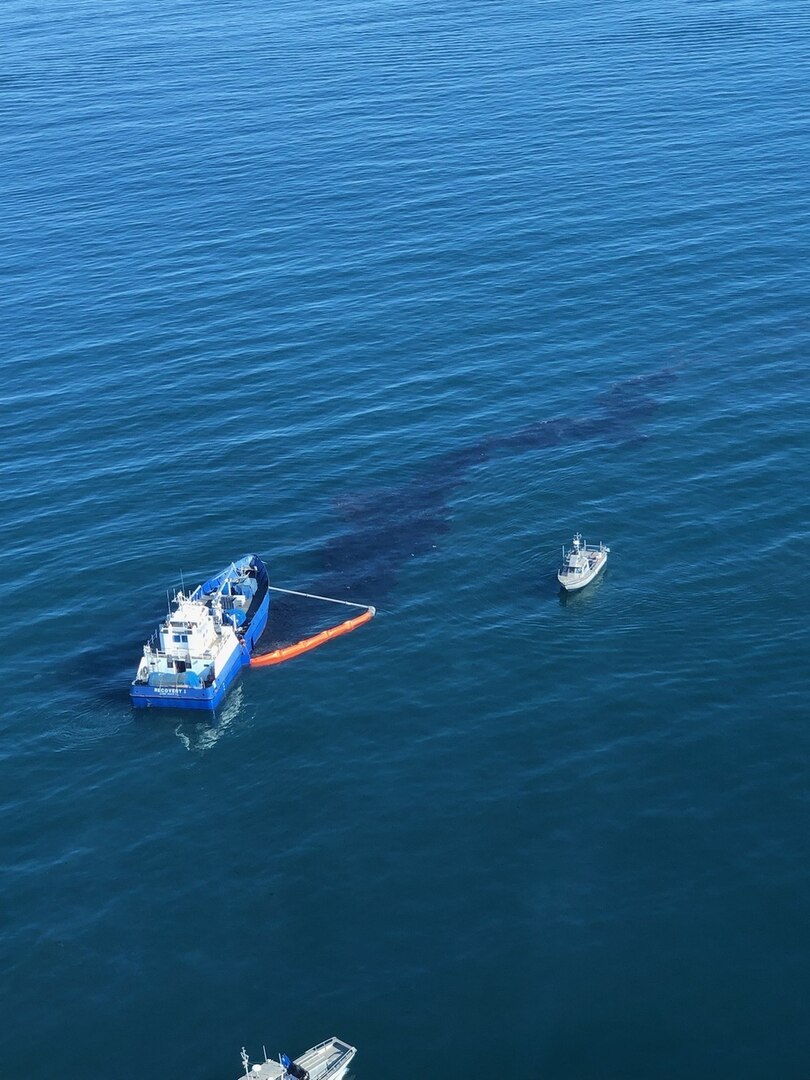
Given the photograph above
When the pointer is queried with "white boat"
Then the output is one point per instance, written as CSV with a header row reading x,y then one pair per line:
x,y
328,1060
581,563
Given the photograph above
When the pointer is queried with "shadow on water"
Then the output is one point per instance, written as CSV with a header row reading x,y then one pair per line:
x,y
384,528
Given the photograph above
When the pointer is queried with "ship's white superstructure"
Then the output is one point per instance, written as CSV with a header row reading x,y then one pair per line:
x,y
194,641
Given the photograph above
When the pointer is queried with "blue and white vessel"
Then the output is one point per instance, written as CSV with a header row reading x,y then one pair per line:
x,y
193,658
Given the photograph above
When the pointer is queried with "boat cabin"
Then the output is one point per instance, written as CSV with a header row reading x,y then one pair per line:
x,y
189,631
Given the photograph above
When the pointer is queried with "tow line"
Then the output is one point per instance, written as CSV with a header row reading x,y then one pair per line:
x,y
278,656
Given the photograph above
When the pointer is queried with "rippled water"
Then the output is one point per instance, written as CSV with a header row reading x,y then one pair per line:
x,y
399,295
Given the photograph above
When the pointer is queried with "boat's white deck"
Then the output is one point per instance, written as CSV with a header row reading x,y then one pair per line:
x,y
582,568
329,1059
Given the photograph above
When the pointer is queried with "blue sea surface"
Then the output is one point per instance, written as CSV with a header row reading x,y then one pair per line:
x,y
399,295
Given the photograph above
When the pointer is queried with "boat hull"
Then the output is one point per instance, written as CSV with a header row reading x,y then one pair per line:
x,y
208,698
581,580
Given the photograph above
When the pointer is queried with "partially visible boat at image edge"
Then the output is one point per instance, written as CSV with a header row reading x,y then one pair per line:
x,y
194,656
328,1060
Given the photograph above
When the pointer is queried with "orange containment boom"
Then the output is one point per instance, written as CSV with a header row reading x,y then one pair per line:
x,y
278,656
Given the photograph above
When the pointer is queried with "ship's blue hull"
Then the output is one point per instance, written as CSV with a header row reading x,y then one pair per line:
x,y
145,696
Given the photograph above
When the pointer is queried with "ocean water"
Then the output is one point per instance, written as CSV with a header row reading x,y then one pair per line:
x,y
399,295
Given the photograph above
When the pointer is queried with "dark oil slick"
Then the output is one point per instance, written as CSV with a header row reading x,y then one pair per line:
x,y
384,529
